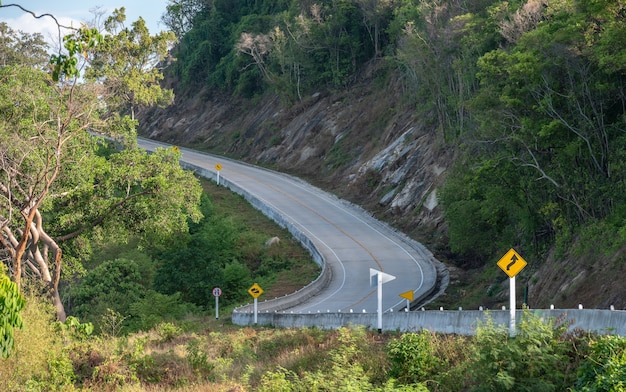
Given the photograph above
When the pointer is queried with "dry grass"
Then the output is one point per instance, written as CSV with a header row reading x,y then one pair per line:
x,y
35,344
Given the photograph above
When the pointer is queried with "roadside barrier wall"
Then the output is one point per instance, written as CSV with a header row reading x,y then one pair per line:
x,y
461,322
307,291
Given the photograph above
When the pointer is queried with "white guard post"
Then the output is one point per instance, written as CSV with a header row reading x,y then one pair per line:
x,y
256,309
512,306
379,279
512,263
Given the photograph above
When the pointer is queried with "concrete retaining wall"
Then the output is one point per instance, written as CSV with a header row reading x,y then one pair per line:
x,y
462,322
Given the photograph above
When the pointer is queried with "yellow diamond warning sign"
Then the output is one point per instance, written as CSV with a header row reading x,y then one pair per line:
x,y
512,263
255,291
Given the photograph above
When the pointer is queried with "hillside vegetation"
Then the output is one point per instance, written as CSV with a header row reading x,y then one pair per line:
x,y
200,354
473,126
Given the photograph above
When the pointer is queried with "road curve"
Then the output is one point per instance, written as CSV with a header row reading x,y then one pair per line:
x,y
349,240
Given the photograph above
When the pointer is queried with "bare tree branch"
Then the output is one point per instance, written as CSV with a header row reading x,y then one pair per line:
x,y
59,25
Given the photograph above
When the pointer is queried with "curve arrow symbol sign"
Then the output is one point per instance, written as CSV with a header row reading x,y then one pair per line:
x,y
512,263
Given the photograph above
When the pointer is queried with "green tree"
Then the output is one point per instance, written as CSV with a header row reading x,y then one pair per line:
x,y
42,120
376,16
53,166
236,280
198,264
437,47
128,191
20,48
544,157
112,286
180,14
128,65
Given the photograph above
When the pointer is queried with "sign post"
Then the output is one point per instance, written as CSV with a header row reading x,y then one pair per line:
x,y
408,295
512,263
217,292
255,291
378,278
218,167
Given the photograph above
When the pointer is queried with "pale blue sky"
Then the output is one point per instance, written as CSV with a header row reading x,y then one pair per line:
x,y
72,13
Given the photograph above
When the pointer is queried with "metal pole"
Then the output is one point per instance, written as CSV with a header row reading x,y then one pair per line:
x,y
256,308
217,307
380,302
512,307
218,178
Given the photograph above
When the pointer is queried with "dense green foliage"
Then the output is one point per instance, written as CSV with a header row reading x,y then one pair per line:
x,y
126,64
545,158
226,250
117,297
248,47
61,186
529,93
412,357
534,360
604,369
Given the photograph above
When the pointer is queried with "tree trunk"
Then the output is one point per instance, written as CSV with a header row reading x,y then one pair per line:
x,y
56,300
21,246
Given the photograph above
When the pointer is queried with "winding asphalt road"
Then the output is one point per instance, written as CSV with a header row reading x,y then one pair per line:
x,y
350,240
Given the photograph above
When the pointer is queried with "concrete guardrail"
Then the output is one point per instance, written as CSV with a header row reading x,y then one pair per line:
x,y
287,301
461,322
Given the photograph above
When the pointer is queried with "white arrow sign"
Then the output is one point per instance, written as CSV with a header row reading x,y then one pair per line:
x,y
378,278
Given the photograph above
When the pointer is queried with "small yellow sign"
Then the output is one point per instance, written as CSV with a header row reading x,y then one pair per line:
x,y
512,263
255,291
218,167
407,295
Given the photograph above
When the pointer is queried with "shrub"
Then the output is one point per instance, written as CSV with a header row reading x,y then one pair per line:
x,y
167,332
412,357
112,286
199,360
605,367
74,329
155,308
531,361
277,381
